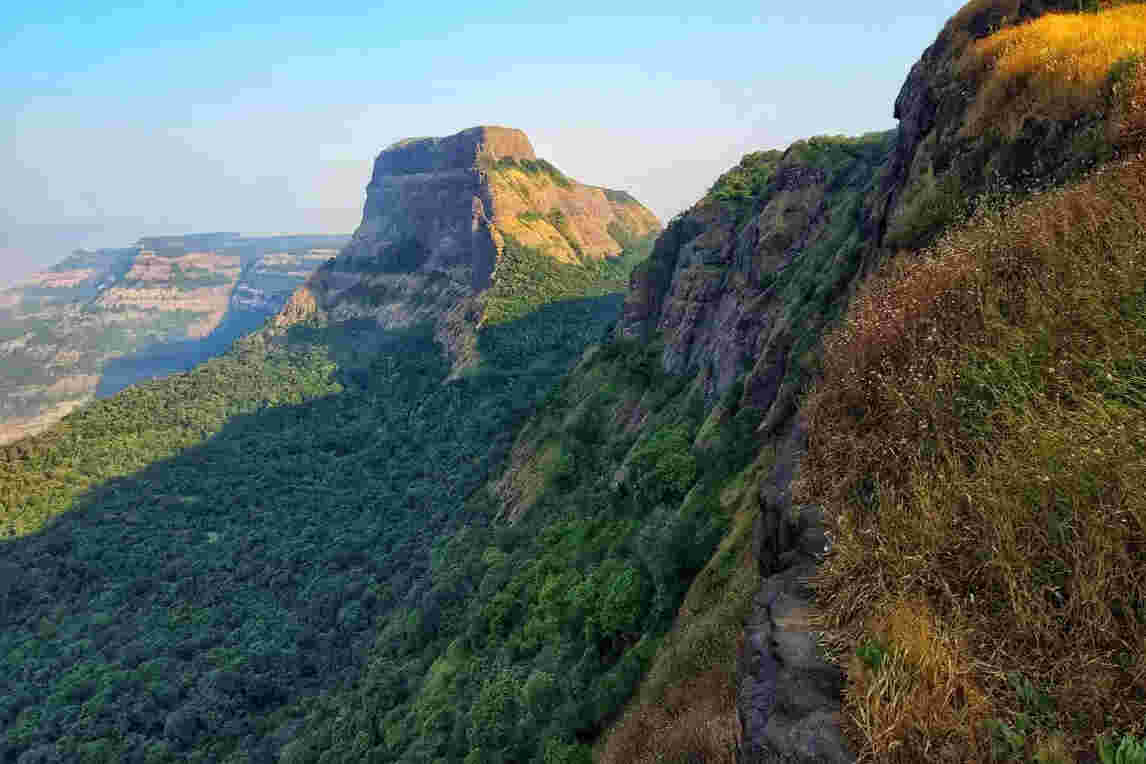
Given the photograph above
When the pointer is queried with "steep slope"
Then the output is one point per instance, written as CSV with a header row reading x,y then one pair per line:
x,y
102,320
996,110
976,443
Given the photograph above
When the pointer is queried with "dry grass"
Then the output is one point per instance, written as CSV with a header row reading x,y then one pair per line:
x,y
979,446
1056,67
913,693
693,721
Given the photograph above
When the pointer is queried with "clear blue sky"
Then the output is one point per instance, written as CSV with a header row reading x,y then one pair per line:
x,y
264,117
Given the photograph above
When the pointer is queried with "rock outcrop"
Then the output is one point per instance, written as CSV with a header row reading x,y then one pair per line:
x,y
788,698
439,214
741,283
941,162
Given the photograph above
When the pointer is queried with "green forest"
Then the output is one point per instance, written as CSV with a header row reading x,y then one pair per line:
x,y
297,539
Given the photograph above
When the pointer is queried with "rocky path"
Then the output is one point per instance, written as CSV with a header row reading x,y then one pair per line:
x,y
789,695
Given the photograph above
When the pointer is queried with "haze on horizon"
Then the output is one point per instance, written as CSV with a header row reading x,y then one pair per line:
x,y
184,117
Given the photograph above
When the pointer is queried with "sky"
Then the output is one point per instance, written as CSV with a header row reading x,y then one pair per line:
x,y
262,117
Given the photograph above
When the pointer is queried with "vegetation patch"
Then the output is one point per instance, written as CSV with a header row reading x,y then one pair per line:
x,y
526,277
547,625
536,167
741,187
1059,66
619,197
686,707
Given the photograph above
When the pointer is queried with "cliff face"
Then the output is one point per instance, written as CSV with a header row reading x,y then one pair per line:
x,y
826,212
742,285
438,217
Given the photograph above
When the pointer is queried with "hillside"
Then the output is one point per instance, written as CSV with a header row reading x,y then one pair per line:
x,y
101,320
853,471
1012,100
199,564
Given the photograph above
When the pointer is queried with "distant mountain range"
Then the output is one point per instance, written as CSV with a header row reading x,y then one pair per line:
x,y
103,319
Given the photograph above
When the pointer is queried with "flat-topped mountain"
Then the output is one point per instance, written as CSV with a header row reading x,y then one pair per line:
x,y
412,156
451,221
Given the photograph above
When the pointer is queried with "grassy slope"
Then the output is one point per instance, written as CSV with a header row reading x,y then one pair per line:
x,y
976,442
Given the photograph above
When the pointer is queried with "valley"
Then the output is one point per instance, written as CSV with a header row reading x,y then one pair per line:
x,y
844,462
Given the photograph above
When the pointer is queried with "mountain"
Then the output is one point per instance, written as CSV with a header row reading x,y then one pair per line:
x,y
102,320
469,230
854,468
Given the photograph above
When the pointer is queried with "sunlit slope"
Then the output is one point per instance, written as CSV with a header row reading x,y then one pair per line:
x,y
979,445
1059,66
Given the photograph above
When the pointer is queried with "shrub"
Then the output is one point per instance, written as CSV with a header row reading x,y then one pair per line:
x,y
1128,751
665,466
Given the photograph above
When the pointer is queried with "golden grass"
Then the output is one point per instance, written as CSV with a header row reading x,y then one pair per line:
x,y
978,443
1055,67
921,695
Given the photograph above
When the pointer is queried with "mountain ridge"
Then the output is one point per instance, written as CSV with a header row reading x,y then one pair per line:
x,y
100,320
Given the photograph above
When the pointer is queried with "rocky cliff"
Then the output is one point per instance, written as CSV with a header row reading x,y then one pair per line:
x,y
742,285
439,217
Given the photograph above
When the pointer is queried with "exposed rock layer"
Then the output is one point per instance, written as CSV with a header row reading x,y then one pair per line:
x,y
437,218
101,320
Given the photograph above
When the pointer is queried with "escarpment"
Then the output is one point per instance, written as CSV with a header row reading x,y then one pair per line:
x,y
741,287
439,218
101,320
